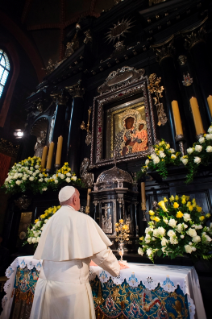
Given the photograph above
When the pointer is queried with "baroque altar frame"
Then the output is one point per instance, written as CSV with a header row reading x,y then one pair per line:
x,y
119,93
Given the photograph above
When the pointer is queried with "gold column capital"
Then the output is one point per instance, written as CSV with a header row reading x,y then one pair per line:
x,y
164,49
59,98
194,35
76,90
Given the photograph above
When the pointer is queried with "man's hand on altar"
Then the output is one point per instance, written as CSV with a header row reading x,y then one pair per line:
x,y
123,265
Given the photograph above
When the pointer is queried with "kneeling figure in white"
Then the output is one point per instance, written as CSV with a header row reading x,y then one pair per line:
x,y
69,241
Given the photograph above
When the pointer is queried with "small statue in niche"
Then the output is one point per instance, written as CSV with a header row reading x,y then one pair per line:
x,y
129,223
107,224
41,140
87,178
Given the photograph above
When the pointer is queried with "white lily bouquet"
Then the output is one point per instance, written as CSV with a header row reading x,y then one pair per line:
x,y
177,228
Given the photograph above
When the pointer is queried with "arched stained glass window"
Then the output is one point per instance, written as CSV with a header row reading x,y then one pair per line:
x,y
4,70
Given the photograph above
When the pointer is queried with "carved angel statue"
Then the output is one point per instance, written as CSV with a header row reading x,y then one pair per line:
x,y
50,66
87,178
41,140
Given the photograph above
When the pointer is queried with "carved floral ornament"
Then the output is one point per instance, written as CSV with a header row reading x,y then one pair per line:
x,y
156,89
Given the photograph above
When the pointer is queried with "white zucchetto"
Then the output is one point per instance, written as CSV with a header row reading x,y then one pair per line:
x,y
65,193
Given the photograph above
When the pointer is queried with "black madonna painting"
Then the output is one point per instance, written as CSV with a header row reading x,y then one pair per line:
x,y
128,130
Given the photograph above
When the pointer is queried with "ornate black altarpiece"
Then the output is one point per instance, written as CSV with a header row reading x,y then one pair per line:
x,y
98,99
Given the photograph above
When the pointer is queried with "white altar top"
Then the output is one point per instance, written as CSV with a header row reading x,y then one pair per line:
x,y
169,277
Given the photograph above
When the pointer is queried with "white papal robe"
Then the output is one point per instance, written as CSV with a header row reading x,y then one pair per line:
x,y
69,241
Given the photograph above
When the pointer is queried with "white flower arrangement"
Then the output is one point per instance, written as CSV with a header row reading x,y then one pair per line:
x,y
164,156
177,228
28,175
34,232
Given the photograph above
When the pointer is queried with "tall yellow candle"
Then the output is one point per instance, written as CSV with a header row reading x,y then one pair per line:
x,y
177,118
50,156
59,150
196,116
209,99
44,156
143,196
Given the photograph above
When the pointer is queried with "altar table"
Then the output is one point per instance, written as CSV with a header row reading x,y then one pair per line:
x,y
142,291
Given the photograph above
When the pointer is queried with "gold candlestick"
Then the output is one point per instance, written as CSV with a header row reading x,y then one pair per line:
x,y
197,117
177,119
143,196
50,156
59,151
209,99
87,208
44,156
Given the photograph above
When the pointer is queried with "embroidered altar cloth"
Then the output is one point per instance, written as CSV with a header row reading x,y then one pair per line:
x,y
169,278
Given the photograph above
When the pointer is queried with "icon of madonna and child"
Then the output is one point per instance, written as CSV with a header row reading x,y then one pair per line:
x,y
133,137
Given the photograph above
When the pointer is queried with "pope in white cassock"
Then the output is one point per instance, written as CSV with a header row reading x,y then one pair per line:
x,y
69,241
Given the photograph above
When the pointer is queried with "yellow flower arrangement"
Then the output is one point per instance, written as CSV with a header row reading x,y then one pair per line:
x,y
190,208
199,209
151,213
175,205
162,205
179,214
174,231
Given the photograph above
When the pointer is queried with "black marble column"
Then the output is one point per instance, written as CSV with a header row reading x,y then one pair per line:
x,y
60,112
164,53
74,134
196,45
59,124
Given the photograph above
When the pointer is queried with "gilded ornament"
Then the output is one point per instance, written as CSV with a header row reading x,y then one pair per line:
x,y
195,35
50,67
118,30
87,128
156,89
164,50
187,79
